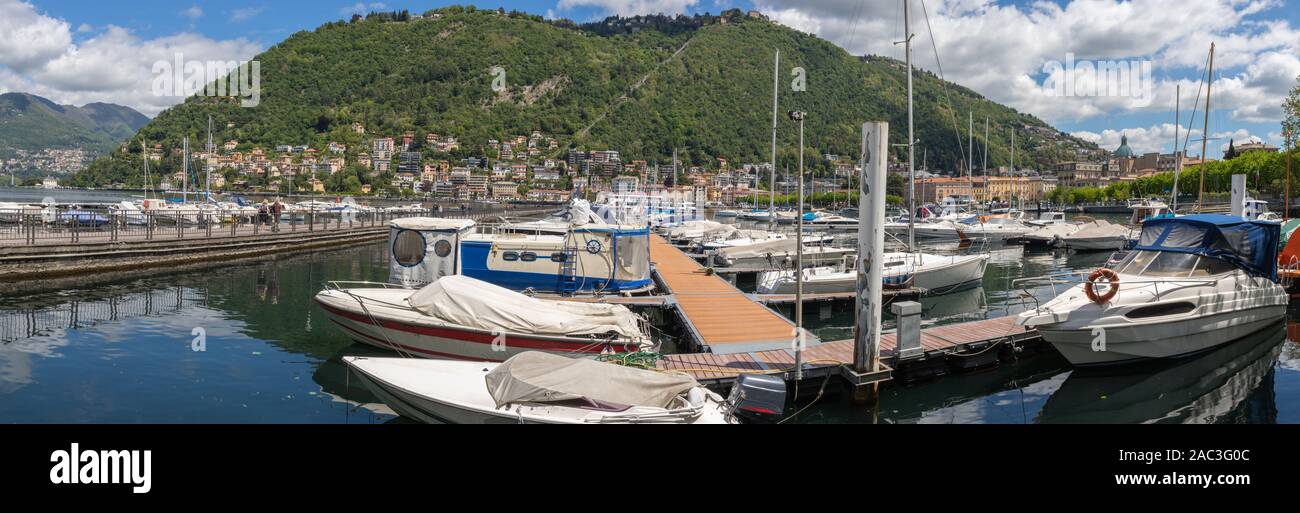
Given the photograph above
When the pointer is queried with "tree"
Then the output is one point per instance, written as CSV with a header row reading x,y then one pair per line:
x,y
1291,110
1232,150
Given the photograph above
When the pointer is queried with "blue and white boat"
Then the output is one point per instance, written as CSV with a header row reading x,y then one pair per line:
x,y
588,258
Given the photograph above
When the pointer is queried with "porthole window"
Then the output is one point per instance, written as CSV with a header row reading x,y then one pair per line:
x,y
442,248
528,257
408,248
510,256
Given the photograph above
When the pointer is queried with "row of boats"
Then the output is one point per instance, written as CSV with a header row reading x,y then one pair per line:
x,y
139,212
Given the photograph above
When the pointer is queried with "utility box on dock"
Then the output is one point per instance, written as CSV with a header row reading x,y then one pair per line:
x,y
908,338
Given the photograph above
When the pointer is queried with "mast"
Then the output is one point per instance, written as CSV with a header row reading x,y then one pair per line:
x,y
776,88
1178,158
144,153
185,169
985,163
1205,131
207,170
911,164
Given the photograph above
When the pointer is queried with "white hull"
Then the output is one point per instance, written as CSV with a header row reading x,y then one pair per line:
x,y
938,273
1171,339
455,392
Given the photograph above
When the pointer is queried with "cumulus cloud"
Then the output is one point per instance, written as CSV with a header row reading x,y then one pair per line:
x,y
1000,49
632,7
29,39
193,13
245,13
362,8
114,66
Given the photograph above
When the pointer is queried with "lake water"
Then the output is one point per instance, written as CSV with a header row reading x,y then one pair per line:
x,y
125,352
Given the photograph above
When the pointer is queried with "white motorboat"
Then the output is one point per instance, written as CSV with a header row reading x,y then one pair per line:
x,y
726,213
777,253
1148,209
930,272
463,318
1192,283
1047,219
540,388
15,212
826,221
1099,235
738,238
1051,235
577,213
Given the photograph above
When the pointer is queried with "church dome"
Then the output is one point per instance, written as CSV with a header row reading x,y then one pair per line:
x,y
1123,150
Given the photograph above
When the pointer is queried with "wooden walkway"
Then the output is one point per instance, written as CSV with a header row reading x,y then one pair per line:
x,y
721,318
827,358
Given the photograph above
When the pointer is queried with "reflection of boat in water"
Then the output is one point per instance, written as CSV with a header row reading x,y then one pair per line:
x,y
1204,389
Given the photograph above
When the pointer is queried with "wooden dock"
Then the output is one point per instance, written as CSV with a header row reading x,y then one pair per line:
x,y
939,345
719,317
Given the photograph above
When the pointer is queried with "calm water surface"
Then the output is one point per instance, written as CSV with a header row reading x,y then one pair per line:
x,y
124,352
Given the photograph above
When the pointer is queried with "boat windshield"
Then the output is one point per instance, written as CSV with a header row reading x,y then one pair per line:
x,y
1169,264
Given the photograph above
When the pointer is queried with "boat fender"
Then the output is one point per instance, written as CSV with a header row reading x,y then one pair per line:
x,y
1090,288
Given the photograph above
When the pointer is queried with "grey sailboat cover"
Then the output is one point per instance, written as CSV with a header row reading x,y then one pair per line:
x,y
543,377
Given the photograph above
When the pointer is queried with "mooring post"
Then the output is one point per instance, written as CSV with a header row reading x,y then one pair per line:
x,y
871,242
908,341
1238,195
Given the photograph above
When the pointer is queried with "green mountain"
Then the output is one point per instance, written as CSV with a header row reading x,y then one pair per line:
x,y
30,122
643,86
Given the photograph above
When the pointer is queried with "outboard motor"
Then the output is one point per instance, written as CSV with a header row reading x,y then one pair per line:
x,y
757,398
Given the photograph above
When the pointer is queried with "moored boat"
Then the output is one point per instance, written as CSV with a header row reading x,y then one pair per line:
x,y
1191,284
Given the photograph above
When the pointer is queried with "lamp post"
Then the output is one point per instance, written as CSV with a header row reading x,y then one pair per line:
x,y
798,259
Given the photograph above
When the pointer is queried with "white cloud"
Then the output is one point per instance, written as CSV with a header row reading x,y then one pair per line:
x,y
193,13
245,13
632,7
362,8
29,39
1141,140
999,49
114,66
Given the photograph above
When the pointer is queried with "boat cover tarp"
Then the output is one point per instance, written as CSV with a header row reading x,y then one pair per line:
x,y
543,377
465,301
759,249
1250,245
1100,229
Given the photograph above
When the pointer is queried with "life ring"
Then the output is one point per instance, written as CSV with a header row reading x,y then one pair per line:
x,y
1090,287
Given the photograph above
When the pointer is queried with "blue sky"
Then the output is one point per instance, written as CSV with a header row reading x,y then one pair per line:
x,y
76,51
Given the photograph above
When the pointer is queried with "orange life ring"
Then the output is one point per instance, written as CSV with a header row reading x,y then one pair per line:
x,y
1091,289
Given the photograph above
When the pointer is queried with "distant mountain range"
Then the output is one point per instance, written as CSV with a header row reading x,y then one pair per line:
x,y
30,122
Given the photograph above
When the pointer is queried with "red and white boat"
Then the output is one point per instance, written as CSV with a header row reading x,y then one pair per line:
x,y
463,318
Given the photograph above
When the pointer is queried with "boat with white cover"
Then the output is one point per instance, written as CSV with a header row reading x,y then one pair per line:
x,y
778,253
1099,235
540,388
1191,284
463,318
1051,235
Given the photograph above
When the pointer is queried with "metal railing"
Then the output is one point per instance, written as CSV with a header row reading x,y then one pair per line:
x,y
90,225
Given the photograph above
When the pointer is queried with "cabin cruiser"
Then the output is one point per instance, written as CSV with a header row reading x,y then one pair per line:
x,y
463,318
1192,283
540,388
1047,219
777,253
1099,235
1148,209
930,272
1258,209
591,258
15,212
828,221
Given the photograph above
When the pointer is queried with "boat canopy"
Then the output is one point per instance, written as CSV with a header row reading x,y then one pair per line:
x,y
1250,245
465,301
534,376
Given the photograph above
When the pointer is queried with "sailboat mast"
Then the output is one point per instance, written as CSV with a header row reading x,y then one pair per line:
x,y
144,155
185,169
1205,131
970,153
207,172
776,88
985,163
911,137
1178,158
